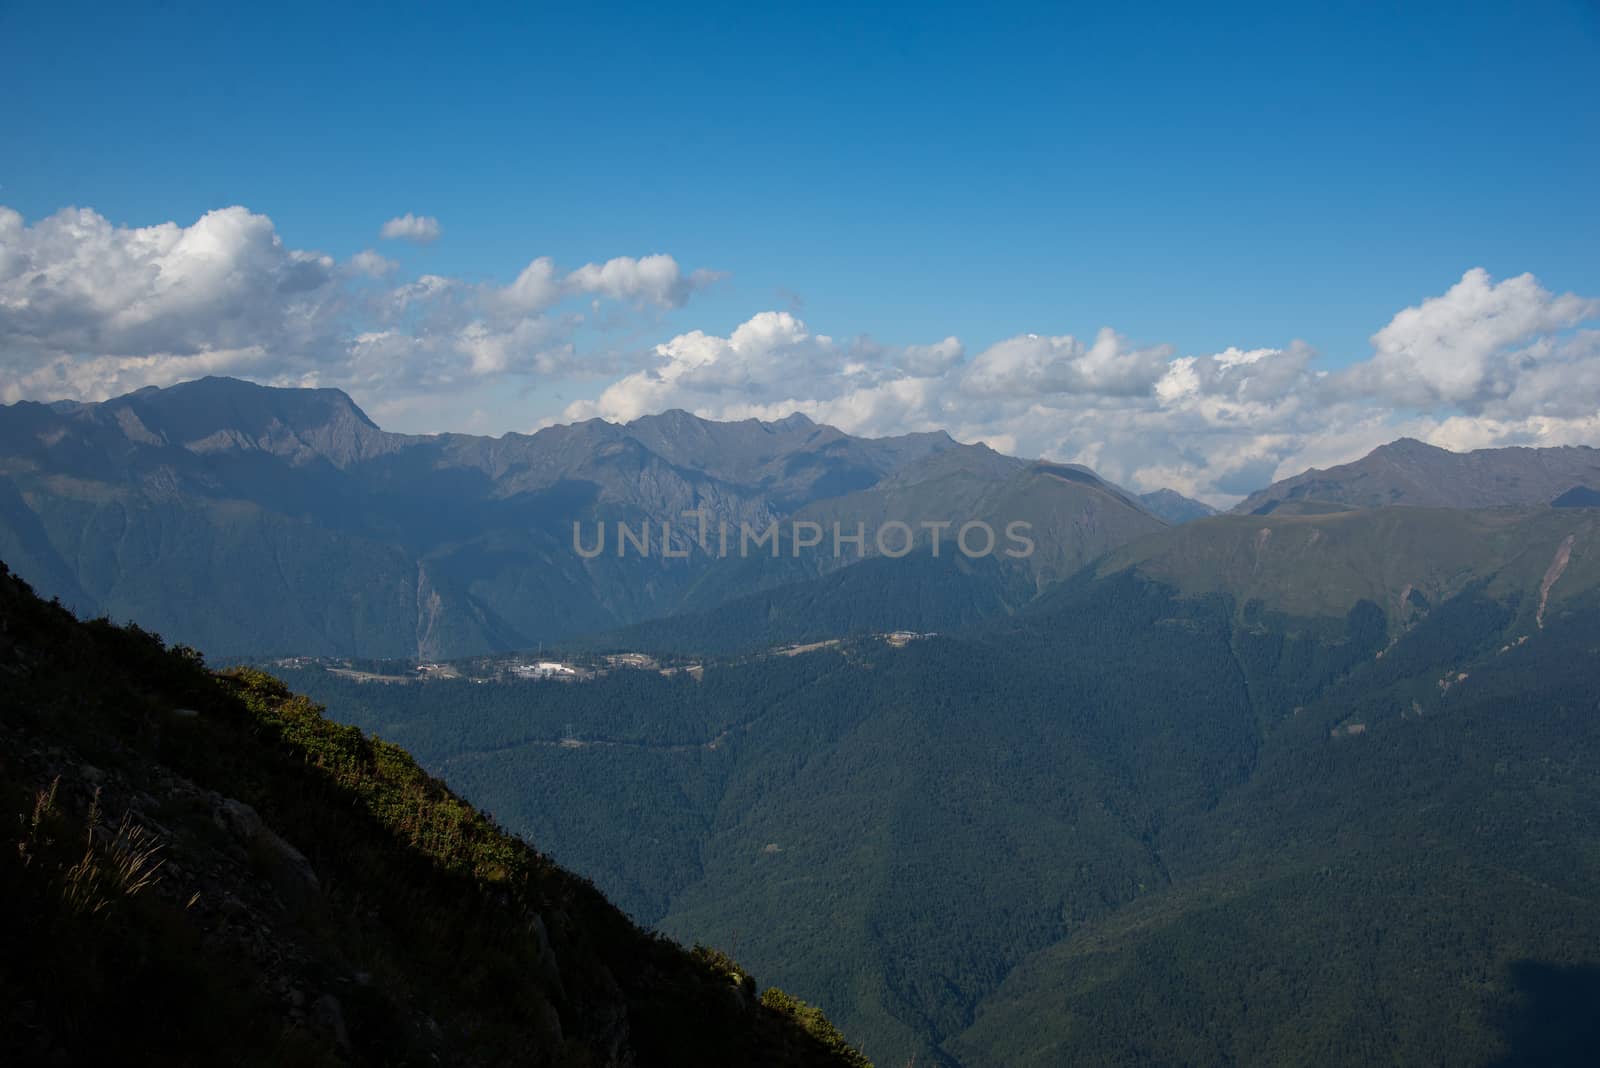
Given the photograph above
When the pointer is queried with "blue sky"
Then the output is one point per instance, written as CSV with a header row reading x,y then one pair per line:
x,y
1191,177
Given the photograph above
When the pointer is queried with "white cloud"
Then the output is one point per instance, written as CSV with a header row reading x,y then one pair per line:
x,y
89,309
372,265
421,229
1032,365
74,281
1484,364
535,289
771,364
1472,346
651,280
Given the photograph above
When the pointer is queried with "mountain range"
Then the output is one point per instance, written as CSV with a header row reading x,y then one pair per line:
x,y
1308,782
1410,472
195,507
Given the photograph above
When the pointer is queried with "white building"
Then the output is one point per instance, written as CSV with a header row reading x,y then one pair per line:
x,y
545,669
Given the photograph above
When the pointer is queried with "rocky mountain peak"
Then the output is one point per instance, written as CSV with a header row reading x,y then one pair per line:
x,y
215,414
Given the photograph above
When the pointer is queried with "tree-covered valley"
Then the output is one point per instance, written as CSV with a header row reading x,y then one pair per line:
x,y
1134,823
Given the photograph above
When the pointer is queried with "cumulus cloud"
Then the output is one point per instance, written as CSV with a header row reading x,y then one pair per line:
x,y
1484,364
1474,346
89,309
372,264
92,308
769,366
1032,366
652,280
421,229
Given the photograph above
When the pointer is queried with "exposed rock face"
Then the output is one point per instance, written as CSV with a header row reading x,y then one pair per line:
x,y
237,819
549,971
327,1016
287,868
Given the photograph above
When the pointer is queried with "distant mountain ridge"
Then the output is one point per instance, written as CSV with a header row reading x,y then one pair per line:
x,y
1411,472
1174,507
249,520
252,520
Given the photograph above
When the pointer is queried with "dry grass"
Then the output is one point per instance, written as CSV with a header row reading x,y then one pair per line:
x,y
113,865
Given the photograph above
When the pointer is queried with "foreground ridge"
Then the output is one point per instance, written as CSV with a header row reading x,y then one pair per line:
x,y
207,869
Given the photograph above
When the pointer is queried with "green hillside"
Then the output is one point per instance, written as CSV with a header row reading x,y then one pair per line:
x,y
1134,823
1408,876
918,592
1402,559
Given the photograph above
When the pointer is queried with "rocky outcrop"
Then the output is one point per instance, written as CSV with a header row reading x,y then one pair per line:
x,y
287,868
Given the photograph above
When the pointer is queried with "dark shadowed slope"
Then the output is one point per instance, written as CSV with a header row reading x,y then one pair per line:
x,y
203,870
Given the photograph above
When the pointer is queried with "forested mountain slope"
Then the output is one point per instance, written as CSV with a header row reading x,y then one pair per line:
x,y
919,593
1403,559
1407,875
1039,523
1271,817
